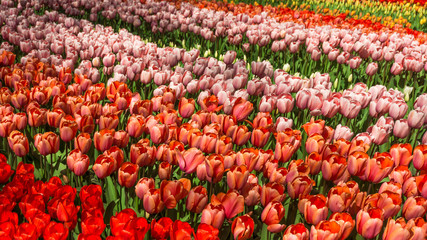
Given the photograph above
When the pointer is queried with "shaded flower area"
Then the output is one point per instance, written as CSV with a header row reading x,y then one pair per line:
x,y
107,134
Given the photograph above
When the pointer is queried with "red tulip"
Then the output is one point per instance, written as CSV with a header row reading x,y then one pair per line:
x,y
25,231
181,231
55,231
160,229
5,172
122,224
207,232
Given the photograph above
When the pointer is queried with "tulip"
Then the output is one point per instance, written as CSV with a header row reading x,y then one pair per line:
x,y
315,143
128,173
417,228
327,229
401,154
143,186
416,118
78,162
272,215
396,229
207,232
242,227
83,142
6,127
6,172
314,208
54,117
390,203
297,232
369,222
46,143
152,201
186,107
197,199
414,207
165,171
180,230
18,142
160,229
190,159
346,223
372,68
260,137
420,157
103,139
173,191
103,166
36,117
239,134
213,214
241,109
237,177
232,202
272,192
159,133
55,231
300,186
401,128
334,167
378,167
68,128
339,199
142,155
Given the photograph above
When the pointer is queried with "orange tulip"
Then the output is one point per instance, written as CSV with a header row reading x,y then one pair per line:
x,y
197,199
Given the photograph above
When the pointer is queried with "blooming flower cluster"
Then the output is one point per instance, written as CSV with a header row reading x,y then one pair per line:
x,y
107,135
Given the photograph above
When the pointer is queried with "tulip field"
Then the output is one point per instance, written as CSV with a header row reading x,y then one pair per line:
x,y
213,120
